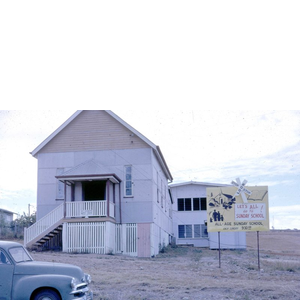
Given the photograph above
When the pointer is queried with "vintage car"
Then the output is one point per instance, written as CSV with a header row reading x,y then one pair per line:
x,y
22,278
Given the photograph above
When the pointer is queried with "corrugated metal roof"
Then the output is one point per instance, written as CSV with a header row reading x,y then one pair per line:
x,y
197,183
89,169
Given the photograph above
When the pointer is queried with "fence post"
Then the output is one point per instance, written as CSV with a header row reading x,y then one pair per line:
x,y
64,238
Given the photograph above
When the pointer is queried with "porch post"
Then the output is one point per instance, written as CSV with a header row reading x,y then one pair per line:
x,y
120,210
65,198
114,198
114,193
72,192
65,245
107,196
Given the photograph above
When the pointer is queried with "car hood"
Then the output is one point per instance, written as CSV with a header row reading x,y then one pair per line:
x,y
40,268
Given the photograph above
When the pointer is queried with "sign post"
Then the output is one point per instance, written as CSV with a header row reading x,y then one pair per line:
x,y
238,208
258,259
219,249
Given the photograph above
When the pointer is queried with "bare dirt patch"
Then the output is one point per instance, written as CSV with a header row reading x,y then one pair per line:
x,y
193,273
276,241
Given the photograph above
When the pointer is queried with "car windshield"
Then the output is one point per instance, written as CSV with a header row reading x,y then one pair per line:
x,y
19,254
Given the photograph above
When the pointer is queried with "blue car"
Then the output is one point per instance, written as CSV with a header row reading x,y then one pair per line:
x,y
22,278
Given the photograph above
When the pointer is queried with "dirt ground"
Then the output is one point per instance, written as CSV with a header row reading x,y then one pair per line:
x,y
193,273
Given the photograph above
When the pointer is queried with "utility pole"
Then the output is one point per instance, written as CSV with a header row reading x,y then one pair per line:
x,y
29,209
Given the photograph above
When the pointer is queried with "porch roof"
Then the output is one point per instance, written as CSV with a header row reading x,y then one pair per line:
x,y
89,170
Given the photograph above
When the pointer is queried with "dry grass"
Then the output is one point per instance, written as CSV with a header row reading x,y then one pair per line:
x,y
193,273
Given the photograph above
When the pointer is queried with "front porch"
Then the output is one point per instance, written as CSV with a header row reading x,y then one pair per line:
x,y
68,212
89,209
88,190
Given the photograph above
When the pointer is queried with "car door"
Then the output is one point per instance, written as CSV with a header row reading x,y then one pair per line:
x,y
6,276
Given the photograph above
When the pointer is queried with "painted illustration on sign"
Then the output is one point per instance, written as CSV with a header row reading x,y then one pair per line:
x,y
237,208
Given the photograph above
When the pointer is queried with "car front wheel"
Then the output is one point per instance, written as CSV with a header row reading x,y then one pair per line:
x,y
47,294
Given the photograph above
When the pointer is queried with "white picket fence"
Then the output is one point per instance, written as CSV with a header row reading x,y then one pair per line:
x,y
131,239
96,237
84,237
126,239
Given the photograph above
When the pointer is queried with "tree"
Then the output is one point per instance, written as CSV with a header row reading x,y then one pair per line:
x,y
25,220
17,226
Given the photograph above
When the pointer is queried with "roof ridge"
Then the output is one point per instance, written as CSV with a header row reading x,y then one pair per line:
x,y
81,165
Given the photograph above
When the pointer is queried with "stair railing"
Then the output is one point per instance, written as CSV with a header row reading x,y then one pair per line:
x,y
43,224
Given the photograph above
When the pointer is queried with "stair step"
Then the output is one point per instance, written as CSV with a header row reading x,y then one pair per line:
x,y
45,239
51,240
38,244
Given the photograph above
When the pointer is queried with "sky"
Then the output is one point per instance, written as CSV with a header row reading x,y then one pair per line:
x,y
262,147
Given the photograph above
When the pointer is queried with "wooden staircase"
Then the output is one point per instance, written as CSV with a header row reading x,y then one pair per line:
x,y
51,241
46,232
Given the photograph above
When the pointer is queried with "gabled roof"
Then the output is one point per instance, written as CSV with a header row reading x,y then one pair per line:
x,y
198,183
155,148
89,170
90,167
2,210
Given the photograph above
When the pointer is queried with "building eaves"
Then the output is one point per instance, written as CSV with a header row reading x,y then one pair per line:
x,y
198,183
51,136
7,211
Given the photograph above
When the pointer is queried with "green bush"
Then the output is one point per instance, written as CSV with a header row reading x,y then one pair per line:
x,y
15,229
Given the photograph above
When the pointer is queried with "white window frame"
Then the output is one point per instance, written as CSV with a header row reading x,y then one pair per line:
x,y
185,226
128,181
202,232
192,204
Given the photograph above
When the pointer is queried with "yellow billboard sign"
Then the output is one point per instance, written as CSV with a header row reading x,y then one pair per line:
x,y
237,208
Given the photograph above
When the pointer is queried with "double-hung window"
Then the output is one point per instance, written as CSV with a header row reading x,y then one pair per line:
x,y
185,231
191,204
128,181
192,231
197,231
184,204
203,204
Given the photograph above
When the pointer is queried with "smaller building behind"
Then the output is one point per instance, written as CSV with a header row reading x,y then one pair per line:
x,y
190,218
6,215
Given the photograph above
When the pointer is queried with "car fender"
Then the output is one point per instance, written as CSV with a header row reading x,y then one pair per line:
x,y
24,286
